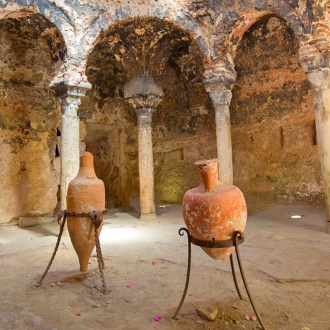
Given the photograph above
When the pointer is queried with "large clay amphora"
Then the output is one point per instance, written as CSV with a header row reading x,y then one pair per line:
x,y
85,193
213,211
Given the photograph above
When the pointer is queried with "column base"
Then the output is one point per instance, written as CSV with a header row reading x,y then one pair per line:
x,y
148,216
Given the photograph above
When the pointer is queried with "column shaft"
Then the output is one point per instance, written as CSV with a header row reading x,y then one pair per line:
x,y
70,153
146,163
314,57
224,146
221,98
321,100
69,95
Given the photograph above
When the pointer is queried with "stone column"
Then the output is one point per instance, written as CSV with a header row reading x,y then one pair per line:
x,y
315,60
145,95
69,96
219,85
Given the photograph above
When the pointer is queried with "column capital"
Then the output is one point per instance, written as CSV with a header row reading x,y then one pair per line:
x,y
219,79
69,95
219,75
70,88
70,104
143,92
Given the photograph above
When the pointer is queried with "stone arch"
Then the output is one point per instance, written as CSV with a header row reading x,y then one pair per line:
x,y
176,63
240,21
64,20
272,118
117,12
32,49
55,14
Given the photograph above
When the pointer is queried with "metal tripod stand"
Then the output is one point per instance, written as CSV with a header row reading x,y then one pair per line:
x,y
238,238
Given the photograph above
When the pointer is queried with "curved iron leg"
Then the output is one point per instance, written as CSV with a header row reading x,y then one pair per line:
x,y
244,280
234,277
188,272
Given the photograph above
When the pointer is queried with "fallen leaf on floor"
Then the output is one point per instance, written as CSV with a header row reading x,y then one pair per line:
x,y
157,318
305,328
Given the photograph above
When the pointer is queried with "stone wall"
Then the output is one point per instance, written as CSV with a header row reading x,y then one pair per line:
x,y
29,115
274,139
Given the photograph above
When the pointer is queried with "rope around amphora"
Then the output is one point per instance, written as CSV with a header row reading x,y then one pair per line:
x,y
95,216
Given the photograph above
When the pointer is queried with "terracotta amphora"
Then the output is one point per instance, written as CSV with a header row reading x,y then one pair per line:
x,y
213,211
85,193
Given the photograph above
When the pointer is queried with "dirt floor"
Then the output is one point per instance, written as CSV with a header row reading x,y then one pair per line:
x,y
286,261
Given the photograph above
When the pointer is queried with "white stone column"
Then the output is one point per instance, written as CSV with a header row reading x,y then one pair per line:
x,y
69,94
69,145
145,95
218,83
315,60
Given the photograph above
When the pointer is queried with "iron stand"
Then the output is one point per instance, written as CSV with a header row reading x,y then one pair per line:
x,y
237,239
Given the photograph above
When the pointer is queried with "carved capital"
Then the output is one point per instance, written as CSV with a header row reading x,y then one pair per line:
x,y
142,101
143,92
220,73
220,78
70,88
70,104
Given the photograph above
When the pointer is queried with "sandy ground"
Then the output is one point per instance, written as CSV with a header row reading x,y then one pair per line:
x,y
286,261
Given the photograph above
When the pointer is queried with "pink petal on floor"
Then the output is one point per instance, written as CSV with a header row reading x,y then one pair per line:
x,y
77,313
129,286
157,318
153,262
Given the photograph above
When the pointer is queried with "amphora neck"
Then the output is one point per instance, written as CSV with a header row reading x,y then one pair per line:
x,y
208,172
87,164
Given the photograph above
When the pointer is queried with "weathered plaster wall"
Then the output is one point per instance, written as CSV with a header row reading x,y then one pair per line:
x,y
28,118
182,41
274,139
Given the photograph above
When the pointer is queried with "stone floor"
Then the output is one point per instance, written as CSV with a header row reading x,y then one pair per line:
x,y
286,261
